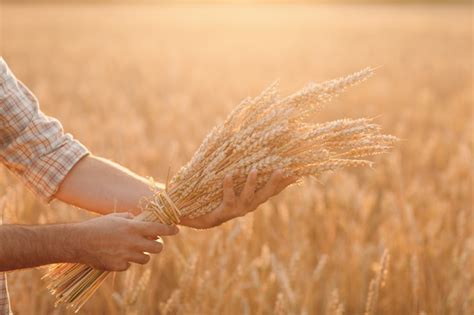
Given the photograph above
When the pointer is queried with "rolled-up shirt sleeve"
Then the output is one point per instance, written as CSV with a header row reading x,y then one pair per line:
x,y
33,145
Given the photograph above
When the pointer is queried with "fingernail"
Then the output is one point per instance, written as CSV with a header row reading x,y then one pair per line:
x,y
176,229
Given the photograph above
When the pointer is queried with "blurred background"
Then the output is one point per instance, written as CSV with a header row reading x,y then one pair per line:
x,y
161,2
143,82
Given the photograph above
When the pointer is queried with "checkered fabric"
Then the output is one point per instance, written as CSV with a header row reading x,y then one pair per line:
x,y
32,145
4,302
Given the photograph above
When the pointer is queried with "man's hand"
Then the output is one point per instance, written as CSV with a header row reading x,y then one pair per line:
x,y
234,206
113,241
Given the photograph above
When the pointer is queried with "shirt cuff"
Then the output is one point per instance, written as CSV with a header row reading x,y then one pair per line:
x,y
46,174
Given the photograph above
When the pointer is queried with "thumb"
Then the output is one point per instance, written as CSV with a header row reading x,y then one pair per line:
x,y
125,215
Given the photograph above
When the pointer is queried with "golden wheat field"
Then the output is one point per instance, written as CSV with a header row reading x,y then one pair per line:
x,y
143,84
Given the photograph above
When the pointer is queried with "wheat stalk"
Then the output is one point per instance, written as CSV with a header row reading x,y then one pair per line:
x,y
265,133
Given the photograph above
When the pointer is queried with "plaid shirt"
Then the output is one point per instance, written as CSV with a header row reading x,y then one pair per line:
x,y
33,146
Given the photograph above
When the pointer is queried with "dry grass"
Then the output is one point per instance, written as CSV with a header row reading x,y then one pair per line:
x,y
144,85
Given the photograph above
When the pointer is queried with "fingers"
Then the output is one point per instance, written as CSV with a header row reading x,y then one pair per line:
x,y
152,247
270,188
139,258
285,182
229,198
274,186
225,211
248,200
119,266
248,192
232,207
151,229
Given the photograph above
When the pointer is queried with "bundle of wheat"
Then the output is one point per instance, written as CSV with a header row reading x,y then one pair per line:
x,y
263,133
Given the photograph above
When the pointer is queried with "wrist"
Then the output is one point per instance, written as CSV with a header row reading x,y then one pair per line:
x,y
70,243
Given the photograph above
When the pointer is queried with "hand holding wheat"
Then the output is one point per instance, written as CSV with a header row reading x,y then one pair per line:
x,y
234,206
267,135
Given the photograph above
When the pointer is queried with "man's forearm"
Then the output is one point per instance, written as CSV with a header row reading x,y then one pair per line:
x,y
24,246
102,186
